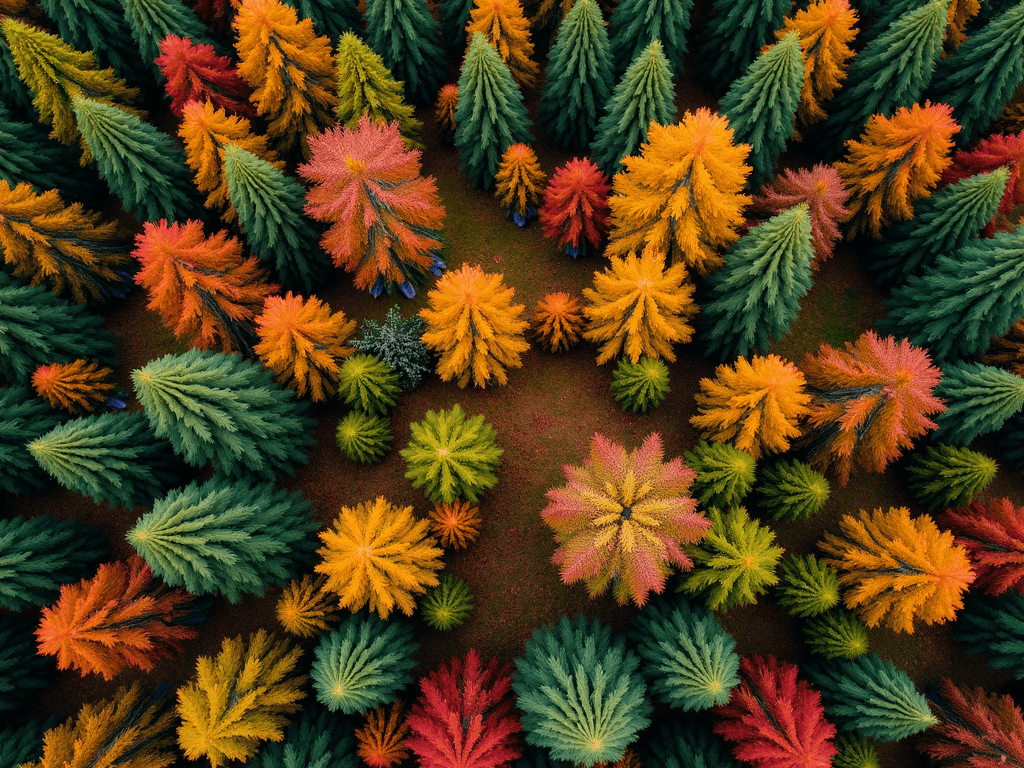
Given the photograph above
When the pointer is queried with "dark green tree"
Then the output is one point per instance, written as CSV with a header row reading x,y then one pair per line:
x,y
580,692
368,384
635,23
725,474
408,38
640,386
755,296
24,743
943,476
490,115
315,739
689,661
270,206
645,93
685,743
979,399
836,634
1011,441
14,94
363,436
99,26
579,77
225,410
399,344
807,587
23,417
993,627
226,537
39,555
790,490
330,17
734,34
22,670
27,155
151,21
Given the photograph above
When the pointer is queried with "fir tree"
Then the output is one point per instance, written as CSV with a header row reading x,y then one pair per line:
x,y
381,742
518,183
992,627
22,670
331,17
836,634
28,156
640,386
725,474
807,587
791,490
152,21
992,532
557,321
399,345
24,743
448,605
407,38
979,399
368,385
575,207
100,27
454,18
506,29
305,608
683,743
224,537
991,153
363,436
315,739
23,418
976,728
734,34
194,72
943,476
635,23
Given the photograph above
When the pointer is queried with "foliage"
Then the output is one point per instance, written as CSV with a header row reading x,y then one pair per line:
x,y
506,29
22,671
77,387
836,634
454,16
444,111
636,23
101,27
641,385
1007,351
791,490
305,608
854,752
733,36
407,37
518,182
992,627
152,21
456,525
194,72
807,586
942,476
992,532
574,210
398,343
381,742
976,728
448,604
685,743
991,153
28,156
979,399
557,321
725,474
20,744
332,17
316,739
363,436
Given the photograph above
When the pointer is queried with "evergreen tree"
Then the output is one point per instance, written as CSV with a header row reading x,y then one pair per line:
x,y
381,742
331,17
976,728
992,532
315,739
575,206
28,156
734,34
991,153
725,474
225,537
447,605
408,40
641,385
518,183
24,743
807,586
398,344
645,94
490,115
305,609
153,20
635,23
836,634
455,524
683,743
579,76
22,670
979,399
557,321
943,476
101,27
23,418
194,72
992,627
504,25
368,385
363,436
791,490
454,18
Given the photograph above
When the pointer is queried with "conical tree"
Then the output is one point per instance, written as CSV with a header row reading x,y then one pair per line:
x,y
194,72
225,537
330,17
943,476
807,586
518,183
315,739
507,30
444,112
23,417
734,34
454,18
381,742
226,410
992,532
100,27
635,23
575,207
28,156
725,474
153,20
490,115
791,490
976,727
979,399
408,39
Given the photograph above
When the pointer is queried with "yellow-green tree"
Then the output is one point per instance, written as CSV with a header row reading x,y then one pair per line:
x,y
639,307
506,28
683,193
474,326
519,182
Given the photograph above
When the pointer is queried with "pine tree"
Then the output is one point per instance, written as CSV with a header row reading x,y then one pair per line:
x,y
896,570
454,18
143,167
975,728
23,418
152,21
363,436
557,321
943,476
364,663
331,17
775,719
689,661
490,115
871,697
305,608
315,739
580,692
114,457
979,399
14,94
367,384
269,206
725,474
28,156
807,586
444,112
579,76
518,183
408,40
455,524
755,297
575,207
683,743
239,699
22,670
635,23
66,248
24,744
734,34
100,27
992,532
386,218
643,96
836,634
447,605
993,152
398,343
991,626
381,742
641,385
507,30
196,73
290,70
791,490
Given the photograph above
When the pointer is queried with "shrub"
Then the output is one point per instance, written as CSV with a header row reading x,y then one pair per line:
x,y
381,742
448,604
398,344
305,608
364,437
807,587
790,490
944,476
725,474
456,525
640,386
368,384
557,321
836,634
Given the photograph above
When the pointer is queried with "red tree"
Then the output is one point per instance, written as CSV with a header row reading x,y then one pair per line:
x,y
976,729
992,532
465,716
196,73
993,152
575,207
774,719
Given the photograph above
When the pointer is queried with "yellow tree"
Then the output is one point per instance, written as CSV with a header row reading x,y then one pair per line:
x,y
757,404
519,182
639,307
474,326
305,608
683,194
505,26
379,555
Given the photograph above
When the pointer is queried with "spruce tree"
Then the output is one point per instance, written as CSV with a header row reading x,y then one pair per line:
x,y
490,115
807,586
734,34
225,410
23,417
409,40
27,155
99,26
225,537
791,490
979,399
22,670
635,23
645,94
153,20
504,24
993,627
398,343
943,476
330,17
725,474
314,739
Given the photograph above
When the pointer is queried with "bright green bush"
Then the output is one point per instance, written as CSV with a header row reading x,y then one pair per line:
x,y
836,634
366,383
640,386
725,474
807,587
364,437
943,476
448,604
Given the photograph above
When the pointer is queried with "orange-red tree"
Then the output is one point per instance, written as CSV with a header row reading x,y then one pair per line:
x,y
575,207
380,743
81,386
506,28
992,532
976,729
557,321
444,111
196,73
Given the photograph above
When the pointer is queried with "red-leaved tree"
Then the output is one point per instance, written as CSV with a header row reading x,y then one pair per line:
x,y
992,532
575,207
976,729
196,73
995,151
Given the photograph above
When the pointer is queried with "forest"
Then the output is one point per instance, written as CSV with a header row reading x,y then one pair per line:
x,y
511,383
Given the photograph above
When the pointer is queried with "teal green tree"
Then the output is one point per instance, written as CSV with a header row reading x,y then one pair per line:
x,y
791,490
979,399
151,21
368,384
991,627
315,739
27,155
408,38
99,26
23,417
944,476
454,17
734,34
22,671
330,17
725,474
635,23
807,586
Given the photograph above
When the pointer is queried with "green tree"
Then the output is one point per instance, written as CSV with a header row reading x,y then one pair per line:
x,y
407,38
689,661
364,663
854,752
315,739
99,26
225,537
368,384
14,94
448,604
23,743
330,17
23,417
22,670
756,294
580,692
114,457
943,476
761,105
734,34
226,410
27,155
725,474
490,115
807,587
791,490
992,627
978,398
870,697
640,386
579,77
151,21
645,94
39,555
685,743
399,344
363,436
836,634
635,23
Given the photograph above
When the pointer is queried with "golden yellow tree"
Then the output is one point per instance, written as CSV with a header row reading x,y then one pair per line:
x,y
519,182
960,13
305,608
683,193
505,26
379,555
639,307
473,324
757,404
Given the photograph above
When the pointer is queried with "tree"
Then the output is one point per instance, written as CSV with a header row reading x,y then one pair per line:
x,y
943,476
519,181
367,384
507,30
407,38
979,399
896,161
239,699
836,634
641,385
465,714
580,692
332,17
203,288
791,490
870,697
28,156
143,167
993,152
490,115
24,743
447,605
381,742
725,474
976,728
643,96
454,18
579,76
755,404
623,518
688,660
775,719
315,739
303,343
22,670
1007,351
683,194
991,626
364,663
557,321
574,210
100,27
684,743
639,307
305,608
79,387
152,21
734,34
734,563
398,343
269,206
992,532
807,587
377,554
23,418
290,70
386,218
113,457
896,570
755,297
196,73
475,328
363,436
444,111
636,23
455,524
870,401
